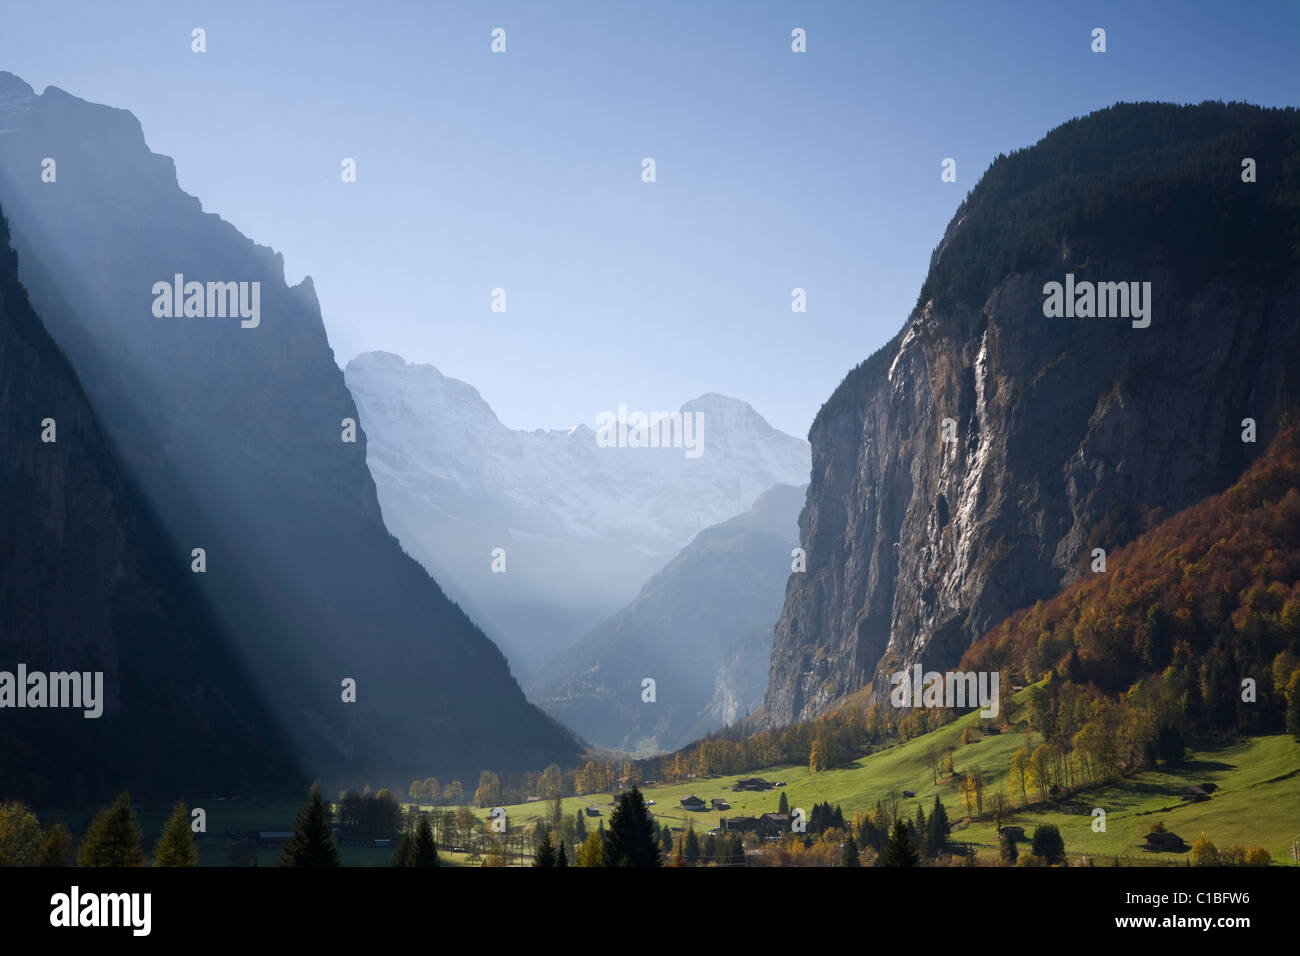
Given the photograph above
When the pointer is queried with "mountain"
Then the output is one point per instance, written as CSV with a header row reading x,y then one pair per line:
x,y
1202,600
88,584
583,526
1067,432
701,629
233,429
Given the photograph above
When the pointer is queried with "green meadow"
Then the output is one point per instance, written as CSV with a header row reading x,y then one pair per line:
x,y
1256,799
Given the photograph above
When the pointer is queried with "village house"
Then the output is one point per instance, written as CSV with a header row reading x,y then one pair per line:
x,y
693,803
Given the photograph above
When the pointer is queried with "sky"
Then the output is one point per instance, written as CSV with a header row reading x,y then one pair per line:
x,y
522,170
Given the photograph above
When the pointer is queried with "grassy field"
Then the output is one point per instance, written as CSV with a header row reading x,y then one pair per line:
x,y
1257,800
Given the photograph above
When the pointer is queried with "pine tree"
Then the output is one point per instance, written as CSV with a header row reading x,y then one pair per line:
x,y
113,838
631,837
900,851
1048,844
783,806
737,851
424,851
850,857
562,858
545,855
937,828
176,845
691,850
402,855
312,843
666,839
580,829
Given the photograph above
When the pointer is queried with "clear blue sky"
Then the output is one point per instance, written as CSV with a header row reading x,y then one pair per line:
x,y
522,170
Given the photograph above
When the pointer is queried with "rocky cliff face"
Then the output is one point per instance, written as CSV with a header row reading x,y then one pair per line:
x,y
235,435
1068,432
87,584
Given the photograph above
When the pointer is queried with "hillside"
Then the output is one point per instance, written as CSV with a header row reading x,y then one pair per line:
x,y
234,431
88,584
1063,434
700,628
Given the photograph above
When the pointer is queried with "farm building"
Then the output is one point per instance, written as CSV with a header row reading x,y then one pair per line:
x,y
693,803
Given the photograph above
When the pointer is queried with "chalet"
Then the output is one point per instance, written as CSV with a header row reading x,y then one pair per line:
x,y
1015,834
752,783
909,793
593,811
738,824
1164,841
719,803
693,803
533,800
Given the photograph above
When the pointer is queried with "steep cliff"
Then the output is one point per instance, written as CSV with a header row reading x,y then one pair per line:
x,y
1068,433
233,429
88,584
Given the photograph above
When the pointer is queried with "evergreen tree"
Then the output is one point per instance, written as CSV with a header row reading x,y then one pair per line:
x,y
737,851
666,839
1048,844
176,845
402,855
900,851
631,837
922,833
783,805
691,850
580,828
545,855
312,843
938,827
113,838
562,858
850,857
424,851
